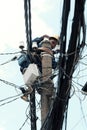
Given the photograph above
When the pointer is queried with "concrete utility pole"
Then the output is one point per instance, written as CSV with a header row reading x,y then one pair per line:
x,y
47,87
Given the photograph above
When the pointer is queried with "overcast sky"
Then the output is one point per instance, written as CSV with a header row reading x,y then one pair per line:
x,y
46,19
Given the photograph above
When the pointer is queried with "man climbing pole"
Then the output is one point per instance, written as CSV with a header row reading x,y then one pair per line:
x,y
25,59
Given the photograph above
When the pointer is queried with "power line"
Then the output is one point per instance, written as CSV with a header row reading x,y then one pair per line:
x,y
23,124
9,97
9,83
80,120
10,53
13,59
9,101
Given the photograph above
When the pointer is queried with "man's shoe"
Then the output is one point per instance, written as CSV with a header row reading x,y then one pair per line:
x,y
25,98
26,93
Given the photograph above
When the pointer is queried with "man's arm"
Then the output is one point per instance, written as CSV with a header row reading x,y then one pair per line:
x,y
39,39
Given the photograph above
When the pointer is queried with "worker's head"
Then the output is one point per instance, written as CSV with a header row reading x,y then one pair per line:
x,y
54,40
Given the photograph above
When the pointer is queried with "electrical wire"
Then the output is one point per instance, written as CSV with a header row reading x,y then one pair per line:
x,y
13,59
9,101
10,53
23,124
10,97
27,112
77,92
9,83
83,112
38,107
80,120
73,91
